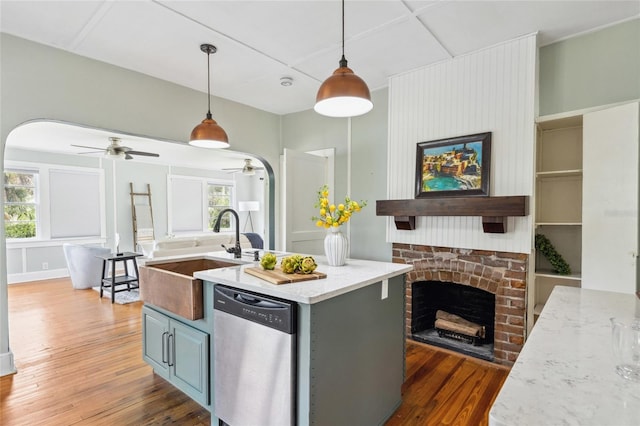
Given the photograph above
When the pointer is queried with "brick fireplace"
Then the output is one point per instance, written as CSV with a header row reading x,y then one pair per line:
x,y
501,274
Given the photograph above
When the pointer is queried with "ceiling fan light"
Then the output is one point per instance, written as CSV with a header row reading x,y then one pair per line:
x,y
209,134
114,155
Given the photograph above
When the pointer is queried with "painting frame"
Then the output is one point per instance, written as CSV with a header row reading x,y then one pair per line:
x,y
451,167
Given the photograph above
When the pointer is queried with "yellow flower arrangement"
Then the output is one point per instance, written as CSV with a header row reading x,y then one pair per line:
x,y
332,215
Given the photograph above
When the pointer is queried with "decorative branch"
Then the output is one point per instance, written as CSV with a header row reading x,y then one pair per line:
x,y
544,246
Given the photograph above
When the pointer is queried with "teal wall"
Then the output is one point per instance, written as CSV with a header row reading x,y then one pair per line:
x,y
307,131
44,82
40,82
595,69
369,180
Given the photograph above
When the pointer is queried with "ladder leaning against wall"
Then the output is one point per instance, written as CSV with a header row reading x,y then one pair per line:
x,y
142,216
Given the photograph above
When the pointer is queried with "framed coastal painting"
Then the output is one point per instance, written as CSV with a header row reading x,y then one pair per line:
x,y
454,167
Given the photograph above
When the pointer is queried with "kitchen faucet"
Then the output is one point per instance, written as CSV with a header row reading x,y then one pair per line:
x,y
237,250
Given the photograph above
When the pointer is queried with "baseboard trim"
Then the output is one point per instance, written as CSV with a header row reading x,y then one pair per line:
x,y
37,276
7,366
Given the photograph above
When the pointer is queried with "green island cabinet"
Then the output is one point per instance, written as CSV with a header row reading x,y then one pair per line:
x,y
350,354
179,351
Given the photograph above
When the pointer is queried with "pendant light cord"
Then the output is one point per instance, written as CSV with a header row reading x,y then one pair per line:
x,y
343,60
208,85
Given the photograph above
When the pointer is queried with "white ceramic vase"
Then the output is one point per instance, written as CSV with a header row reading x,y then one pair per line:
x,y
336,247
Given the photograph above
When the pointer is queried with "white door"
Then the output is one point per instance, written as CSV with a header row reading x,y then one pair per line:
x,y
610,199
303,174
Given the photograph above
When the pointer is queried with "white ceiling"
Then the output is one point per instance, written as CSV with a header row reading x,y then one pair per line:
x,y
261,41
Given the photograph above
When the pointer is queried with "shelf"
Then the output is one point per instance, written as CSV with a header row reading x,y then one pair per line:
x,y
121,279
558,224
551,274
559,173
537,309
493,210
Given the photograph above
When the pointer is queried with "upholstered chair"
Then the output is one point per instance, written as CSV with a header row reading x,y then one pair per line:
x,y
85,269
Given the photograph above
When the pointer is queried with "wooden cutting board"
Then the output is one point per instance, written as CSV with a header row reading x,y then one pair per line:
x,y
276,276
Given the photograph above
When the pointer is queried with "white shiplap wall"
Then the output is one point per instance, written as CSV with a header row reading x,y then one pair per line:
x,y
489,90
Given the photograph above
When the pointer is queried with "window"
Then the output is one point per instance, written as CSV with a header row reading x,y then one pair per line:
x,y
186,205
20,203
75,204
46,202
195,202
219,198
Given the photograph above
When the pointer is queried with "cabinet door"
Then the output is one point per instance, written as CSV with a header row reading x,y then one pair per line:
x,y
610,199
155,331
190,361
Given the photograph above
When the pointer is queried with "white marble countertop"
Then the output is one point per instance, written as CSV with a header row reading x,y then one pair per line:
x,y
340,279
565,374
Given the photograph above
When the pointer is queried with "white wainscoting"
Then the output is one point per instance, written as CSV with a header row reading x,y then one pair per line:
x,y
490,90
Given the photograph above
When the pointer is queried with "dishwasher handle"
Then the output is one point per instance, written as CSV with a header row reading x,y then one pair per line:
x,y
254,301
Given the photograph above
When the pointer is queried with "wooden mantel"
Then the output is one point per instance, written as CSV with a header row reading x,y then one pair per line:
x,y
493,210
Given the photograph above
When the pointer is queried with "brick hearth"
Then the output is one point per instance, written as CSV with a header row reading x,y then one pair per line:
x,y
503,274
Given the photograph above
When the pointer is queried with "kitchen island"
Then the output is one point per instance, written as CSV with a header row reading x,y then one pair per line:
x,y
565,374
349,343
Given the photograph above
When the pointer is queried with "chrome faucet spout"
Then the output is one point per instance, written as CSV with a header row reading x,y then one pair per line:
x,y
237,250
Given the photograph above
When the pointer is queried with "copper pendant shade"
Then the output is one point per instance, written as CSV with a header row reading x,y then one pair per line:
x,y
209,134
343,94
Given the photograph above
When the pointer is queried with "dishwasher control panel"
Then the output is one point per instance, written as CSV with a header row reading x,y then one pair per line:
x,y
266,310
264,317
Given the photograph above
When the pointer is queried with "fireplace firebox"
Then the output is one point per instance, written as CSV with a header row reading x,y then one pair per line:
x,y
472,304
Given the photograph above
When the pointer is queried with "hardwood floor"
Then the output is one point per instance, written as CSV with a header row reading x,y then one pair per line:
x,y
79,361
446,388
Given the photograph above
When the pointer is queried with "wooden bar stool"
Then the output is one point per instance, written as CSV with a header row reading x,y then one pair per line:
x,y
127,282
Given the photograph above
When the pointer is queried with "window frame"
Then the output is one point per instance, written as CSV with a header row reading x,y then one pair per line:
x,y
43,231
36,201
232,203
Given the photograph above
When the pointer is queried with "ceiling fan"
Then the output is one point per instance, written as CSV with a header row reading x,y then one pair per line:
x,y
115,150
248,168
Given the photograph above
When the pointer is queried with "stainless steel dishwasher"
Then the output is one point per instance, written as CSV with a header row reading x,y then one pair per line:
x,y
254,358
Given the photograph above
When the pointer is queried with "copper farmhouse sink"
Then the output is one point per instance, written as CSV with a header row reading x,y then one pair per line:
x,y
170,285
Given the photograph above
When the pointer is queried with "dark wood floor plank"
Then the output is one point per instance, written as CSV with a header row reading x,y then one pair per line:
x,y
79,361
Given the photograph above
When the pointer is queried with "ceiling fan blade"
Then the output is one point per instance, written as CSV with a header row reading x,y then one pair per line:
x,y
147,154
92,152
127,156
92,147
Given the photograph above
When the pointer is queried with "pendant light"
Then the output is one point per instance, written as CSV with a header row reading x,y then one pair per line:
x,y
343,94
209,134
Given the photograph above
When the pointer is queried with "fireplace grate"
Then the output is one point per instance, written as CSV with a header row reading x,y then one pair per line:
x,y
475,340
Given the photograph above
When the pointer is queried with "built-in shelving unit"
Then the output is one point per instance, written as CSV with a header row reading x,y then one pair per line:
x,y
558,209
586,200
